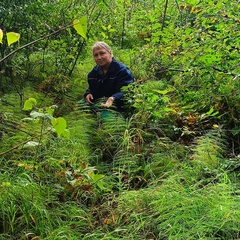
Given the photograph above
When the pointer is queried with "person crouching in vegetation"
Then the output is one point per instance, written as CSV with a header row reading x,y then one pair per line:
x,y
107,78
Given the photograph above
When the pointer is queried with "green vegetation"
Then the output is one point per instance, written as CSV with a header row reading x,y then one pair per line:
x,y
168,167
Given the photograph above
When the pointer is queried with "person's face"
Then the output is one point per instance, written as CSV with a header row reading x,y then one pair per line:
x,y
102,57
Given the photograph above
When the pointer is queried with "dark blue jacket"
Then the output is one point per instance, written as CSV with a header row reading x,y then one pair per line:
x,y
109,85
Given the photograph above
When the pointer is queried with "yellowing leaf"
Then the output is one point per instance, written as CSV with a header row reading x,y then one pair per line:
x,y
26,166
1,35
12,37
195,10
33,219
81,26
5,184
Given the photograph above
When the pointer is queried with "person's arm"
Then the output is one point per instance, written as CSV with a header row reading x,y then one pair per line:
x,y
88,94
89,98
109,102
125,77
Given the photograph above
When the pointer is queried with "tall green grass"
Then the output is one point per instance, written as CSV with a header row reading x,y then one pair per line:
x,y
30,209
177,211
190,199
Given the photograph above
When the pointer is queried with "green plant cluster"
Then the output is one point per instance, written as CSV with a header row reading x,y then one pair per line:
x,y
166,167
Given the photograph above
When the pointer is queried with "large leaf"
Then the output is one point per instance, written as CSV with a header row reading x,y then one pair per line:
x,y
66,133
1,35
12,37
29,104
59,125
81,26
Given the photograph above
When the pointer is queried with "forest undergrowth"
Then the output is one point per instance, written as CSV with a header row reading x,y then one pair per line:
x,y
115,177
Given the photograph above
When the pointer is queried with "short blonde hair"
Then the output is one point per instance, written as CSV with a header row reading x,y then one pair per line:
x,y
98,45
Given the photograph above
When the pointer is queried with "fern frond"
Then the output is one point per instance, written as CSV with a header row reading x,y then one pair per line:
x,y
208,150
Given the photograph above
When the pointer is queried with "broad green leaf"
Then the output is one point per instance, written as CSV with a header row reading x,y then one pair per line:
x,y
83,21
81,26
95,177
29,104
50,111
59,125
66,133
1,35
12,37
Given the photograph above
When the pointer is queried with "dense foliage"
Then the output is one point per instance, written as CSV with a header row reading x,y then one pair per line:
x,y
165,168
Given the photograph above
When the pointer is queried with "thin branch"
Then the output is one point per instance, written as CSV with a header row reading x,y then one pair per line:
x,y
179,10
23,143
235,76
33,42
164,14
15,147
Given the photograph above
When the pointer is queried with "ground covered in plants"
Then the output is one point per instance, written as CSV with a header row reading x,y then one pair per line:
x,y
166,167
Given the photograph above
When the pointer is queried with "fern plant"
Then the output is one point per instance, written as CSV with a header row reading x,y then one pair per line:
x,y
208,151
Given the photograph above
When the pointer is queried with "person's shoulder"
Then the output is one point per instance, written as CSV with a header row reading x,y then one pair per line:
x,y
95,70
122,70
118,64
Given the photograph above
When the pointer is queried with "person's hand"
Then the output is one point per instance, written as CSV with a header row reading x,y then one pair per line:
x,y
108,103
89,98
